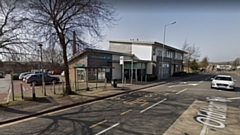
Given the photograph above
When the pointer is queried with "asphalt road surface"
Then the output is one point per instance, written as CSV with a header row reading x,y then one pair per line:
x,y
186,107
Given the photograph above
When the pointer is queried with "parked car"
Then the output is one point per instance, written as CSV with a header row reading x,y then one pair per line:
x,y
36,71
223,81
1,74
55,72
22,75
24,78
35,79
63,73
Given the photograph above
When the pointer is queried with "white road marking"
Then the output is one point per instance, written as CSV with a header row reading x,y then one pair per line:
x,y
193,84
234,98
175,86
200,81
24,89
153,105
204,130
16,122
105,130
181,91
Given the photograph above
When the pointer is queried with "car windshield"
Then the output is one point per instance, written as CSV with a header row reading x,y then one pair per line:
x,y
224,78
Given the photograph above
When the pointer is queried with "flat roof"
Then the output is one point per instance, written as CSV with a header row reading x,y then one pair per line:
x,y
99,51
147,43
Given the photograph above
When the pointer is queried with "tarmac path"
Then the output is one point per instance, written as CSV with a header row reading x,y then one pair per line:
x,y
4,87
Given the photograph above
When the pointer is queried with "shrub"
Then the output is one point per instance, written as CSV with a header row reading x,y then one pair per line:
x,y
15,76
181,73
150,77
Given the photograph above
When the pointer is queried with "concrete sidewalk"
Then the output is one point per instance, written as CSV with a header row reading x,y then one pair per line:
x,y
21,109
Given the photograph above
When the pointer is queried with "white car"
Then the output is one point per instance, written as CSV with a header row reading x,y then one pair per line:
x,y
223,81
22,75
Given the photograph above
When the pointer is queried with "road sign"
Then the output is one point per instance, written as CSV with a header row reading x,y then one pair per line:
x,y
121,60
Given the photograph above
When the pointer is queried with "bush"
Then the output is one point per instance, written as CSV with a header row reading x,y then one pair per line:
x,y
182,73
150,77
15,76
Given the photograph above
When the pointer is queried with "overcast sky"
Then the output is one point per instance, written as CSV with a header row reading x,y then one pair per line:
x,y
213,26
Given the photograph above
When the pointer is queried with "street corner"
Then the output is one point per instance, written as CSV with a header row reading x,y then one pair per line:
x,y
207,117
186,123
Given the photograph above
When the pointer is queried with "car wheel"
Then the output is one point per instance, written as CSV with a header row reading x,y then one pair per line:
x,y
33,83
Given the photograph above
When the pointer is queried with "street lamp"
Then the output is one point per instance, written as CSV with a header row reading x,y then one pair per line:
x,y
163,52
41,68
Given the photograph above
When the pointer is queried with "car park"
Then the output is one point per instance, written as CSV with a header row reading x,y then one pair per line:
x,y
223,82
35,79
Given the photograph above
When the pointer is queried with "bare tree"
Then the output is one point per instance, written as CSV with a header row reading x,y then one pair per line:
x,y
236,62
12,39
53,55
204,63
61,18
192,53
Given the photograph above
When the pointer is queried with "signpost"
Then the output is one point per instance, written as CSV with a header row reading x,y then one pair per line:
x,y
122,63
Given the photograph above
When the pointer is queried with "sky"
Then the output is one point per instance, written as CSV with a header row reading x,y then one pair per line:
x,y
212,26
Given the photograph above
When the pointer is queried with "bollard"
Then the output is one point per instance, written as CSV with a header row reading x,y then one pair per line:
x,y
21,90
125,81
105,82
63,86
33,92
54,91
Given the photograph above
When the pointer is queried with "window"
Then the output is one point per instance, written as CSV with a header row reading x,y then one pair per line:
x,y
153,51
159,53
170,54
80,74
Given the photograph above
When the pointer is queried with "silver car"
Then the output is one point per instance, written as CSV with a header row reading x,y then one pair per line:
x,y
223,82
21,76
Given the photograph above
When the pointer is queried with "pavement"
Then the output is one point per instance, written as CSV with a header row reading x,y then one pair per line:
x,y
20,109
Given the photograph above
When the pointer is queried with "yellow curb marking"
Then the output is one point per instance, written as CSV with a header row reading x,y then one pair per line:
x,y
128,100
99,123
148,95
126,112
144,104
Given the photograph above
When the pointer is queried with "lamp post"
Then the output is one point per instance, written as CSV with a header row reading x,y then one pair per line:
x,y
163,52
41,68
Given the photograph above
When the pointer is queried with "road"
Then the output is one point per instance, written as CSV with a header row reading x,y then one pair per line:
x,y
184,107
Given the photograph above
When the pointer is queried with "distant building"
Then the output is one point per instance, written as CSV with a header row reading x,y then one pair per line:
x,y
139,59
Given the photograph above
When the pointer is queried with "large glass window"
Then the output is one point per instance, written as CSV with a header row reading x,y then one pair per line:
x,y
80,75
